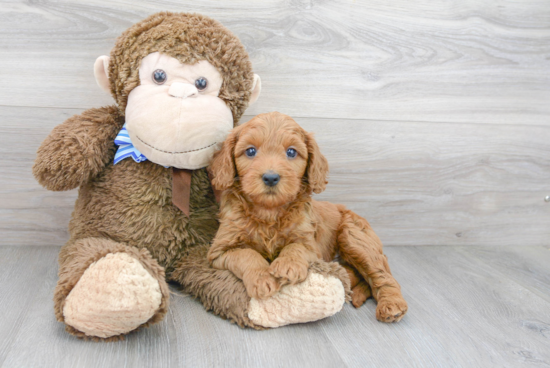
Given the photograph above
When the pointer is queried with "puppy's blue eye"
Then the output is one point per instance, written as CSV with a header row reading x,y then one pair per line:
x,y
291,153
159,76
250,152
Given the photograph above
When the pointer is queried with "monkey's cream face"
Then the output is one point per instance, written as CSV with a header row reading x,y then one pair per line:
x,y
175,117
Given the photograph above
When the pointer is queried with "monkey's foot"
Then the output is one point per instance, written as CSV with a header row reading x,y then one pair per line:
x,y
114,296
319,296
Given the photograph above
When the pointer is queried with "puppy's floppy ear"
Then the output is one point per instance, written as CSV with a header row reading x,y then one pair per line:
x,y
222,167
317,166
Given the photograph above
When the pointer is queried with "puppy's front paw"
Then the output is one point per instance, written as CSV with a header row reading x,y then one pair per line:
x,y
391,310
289,270
261,285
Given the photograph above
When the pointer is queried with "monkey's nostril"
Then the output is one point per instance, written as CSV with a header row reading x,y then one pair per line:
x,y
271,178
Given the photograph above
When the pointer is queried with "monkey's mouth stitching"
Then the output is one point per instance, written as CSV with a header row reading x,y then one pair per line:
x,y
174,153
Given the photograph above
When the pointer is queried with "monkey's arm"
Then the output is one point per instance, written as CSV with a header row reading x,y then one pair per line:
x,y
220,291
78,149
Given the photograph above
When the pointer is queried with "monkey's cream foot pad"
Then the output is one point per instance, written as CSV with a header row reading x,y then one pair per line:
x,y
316,298
115,295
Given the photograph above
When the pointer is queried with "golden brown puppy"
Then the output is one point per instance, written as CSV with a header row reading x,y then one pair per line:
x,y
270,227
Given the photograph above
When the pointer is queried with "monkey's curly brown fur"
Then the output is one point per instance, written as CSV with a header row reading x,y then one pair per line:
x,y
189,39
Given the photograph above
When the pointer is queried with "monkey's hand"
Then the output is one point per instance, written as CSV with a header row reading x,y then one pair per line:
x,y
321,295
77,150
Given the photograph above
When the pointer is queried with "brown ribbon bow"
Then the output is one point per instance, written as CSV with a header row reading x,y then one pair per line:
x,y
181,189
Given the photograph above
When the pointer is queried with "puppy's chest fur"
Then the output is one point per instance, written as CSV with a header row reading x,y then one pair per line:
x,y
268,234
269,239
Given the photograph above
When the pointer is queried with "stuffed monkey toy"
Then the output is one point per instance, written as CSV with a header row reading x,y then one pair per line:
x,y
146,210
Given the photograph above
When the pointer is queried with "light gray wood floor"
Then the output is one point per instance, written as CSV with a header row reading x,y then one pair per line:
x,y
469,307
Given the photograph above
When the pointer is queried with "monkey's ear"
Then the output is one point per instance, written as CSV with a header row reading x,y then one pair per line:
x,y
256,89
317,168
222,167
101,73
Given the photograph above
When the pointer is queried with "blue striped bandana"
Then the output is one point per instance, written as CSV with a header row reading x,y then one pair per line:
x,y
126,148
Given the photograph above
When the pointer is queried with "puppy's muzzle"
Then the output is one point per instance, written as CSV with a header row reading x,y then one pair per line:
x,y
271,178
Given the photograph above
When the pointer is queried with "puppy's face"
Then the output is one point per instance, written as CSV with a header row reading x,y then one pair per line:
x,y
274,159
271,158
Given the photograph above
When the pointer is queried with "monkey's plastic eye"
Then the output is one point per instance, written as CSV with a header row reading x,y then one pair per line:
x,y
291,153
159,76
201,83
250,152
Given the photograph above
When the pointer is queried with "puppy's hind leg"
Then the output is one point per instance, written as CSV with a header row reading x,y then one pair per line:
x,y
361,292
360,247
359,287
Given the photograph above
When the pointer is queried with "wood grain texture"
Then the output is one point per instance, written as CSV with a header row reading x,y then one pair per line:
x,y
434,115
222,344
463,312
22,273
417,183
445,183
459,61
528,266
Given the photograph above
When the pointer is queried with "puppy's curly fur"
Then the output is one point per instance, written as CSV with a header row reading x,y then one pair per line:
x,y
271,230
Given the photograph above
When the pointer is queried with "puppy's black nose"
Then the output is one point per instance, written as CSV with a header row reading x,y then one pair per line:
x,y
271,178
